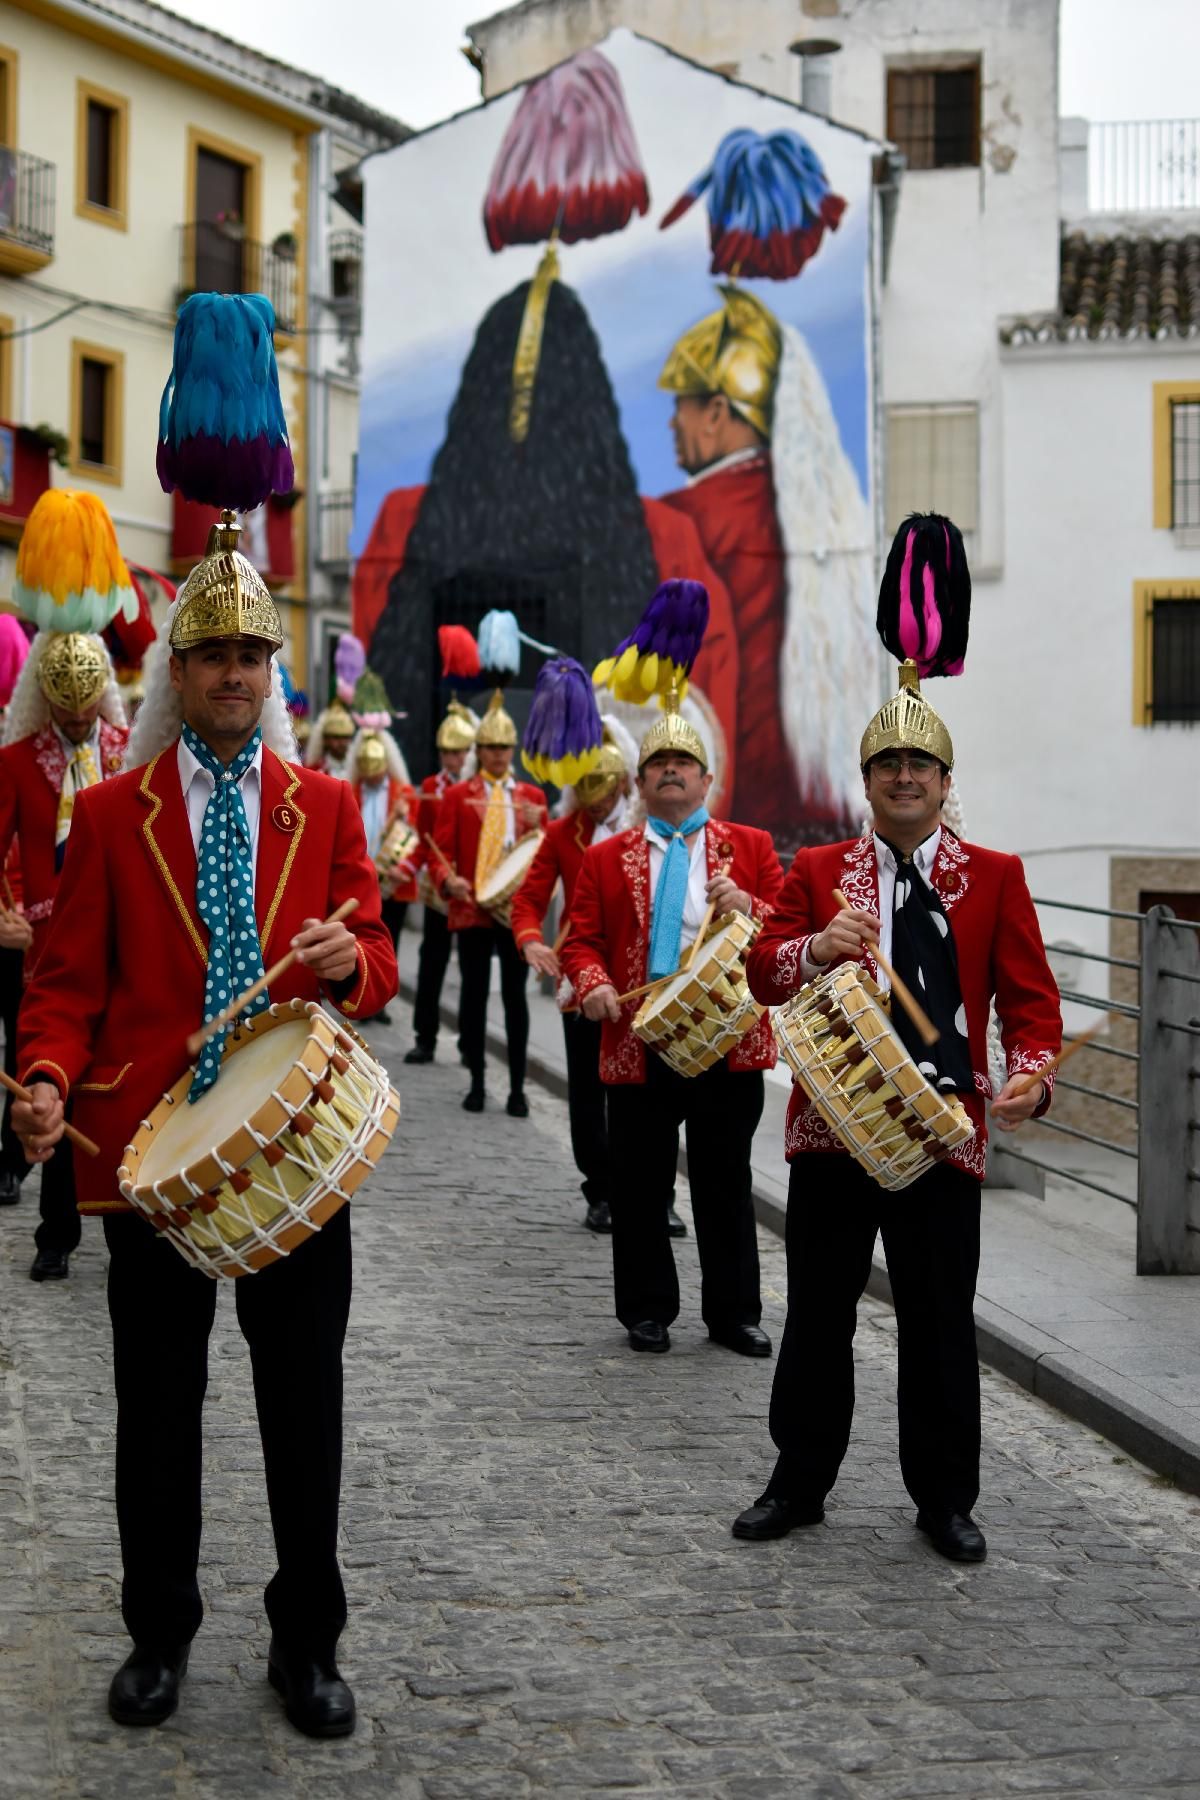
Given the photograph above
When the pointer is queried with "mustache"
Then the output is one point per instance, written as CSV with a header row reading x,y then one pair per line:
x,y
668,781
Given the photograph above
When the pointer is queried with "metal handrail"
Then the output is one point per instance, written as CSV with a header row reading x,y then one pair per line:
x,y
1101,912
1081,1087
1089,1137
1036,1162
1116,1006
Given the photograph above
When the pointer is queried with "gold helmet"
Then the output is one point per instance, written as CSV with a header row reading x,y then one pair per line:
x,y
336,722
735,351
907,722
496,729
224,596
74,670
671,731
605,776
457,729
372,759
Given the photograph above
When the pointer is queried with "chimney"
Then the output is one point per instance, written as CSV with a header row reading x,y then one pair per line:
x,y
816,73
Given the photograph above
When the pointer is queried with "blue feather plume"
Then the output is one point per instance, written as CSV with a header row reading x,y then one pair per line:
x,y
500,643
222,435
769,204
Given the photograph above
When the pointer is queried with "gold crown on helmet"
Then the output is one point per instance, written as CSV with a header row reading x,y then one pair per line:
x,y
457,729
605,775
225,596
671,731
735,351
496,729
74,670
336,721
372,758
907,722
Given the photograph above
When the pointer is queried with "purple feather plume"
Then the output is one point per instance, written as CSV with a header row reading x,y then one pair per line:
x,y
349,661
673,624
563,733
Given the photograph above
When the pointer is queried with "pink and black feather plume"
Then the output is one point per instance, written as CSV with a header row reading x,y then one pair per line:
x,y
925,595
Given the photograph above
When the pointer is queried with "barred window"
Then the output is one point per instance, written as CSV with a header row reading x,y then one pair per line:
x,y
933,116
1175,662
1185,462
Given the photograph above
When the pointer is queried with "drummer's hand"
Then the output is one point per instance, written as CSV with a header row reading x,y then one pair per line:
x,y
726,896
601,1003
1011,1109
16,933
844,936
39,1122
457,886
328,949
542,959
529,814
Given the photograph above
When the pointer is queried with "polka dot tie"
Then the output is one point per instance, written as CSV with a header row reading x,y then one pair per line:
x,y
225,898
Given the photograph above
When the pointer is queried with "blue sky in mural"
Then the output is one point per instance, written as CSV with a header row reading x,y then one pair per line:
x,y
637,311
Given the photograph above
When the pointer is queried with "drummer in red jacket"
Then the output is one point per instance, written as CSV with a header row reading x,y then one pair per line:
x,y
639,902
959,926
145,945
479,821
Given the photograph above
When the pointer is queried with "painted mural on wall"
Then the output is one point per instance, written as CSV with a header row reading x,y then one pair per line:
x,y
616,330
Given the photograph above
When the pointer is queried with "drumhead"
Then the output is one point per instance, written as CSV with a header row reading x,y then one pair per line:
x,y
663,996
191,1132
512,864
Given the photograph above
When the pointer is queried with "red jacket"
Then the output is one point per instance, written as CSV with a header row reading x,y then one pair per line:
x,y
401,802
1000,954
560,854
121,982
457,832
610,933
31,778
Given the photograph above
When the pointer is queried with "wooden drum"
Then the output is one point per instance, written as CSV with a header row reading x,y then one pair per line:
x,y
399,843
495,894
300,1115
697,1017
840,1046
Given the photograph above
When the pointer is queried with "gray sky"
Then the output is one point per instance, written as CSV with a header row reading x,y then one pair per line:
x,y
404,55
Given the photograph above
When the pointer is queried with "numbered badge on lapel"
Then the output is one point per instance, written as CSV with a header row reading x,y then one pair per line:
x,y
285,818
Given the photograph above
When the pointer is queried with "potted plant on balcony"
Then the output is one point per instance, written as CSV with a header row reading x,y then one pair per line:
x,y
285,246
49,439
232,224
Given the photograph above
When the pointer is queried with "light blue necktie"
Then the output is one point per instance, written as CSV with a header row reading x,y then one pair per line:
x,y
670,896
225,898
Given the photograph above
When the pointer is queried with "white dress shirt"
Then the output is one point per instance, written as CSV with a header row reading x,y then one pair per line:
x,y
197,784
374,813
924,856
696,903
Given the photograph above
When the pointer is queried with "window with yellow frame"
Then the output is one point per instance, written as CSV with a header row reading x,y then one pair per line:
x,y
97,412
1177,455
1166,652
101,155
8,97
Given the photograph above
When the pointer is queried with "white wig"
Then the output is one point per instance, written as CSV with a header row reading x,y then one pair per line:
x,y
160,716
29,709
623,738
314,749
396,766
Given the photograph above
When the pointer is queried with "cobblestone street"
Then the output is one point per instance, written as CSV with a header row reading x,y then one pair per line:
x,y
545,1597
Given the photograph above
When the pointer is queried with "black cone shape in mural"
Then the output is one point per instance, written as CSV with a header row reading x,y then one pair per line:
x,y
552,528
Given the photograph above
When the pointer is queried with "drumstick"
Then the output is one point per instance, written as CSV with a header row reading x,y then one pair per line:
x,y
904,994
562,937
1065,1054
22,1093
438,851
199,1038
705,922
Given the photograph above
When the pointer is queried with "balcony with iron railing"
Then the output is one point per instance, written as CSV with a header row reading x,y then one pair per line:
x,y
335,513
26,212
217,259
1133,165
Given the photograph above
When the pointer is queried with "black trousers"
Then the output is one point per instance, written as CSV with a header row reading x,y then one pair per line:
x,y
12,981
931,1241
587,1106
59,1227
394,914
293,1316
719,1112
431,972
475,947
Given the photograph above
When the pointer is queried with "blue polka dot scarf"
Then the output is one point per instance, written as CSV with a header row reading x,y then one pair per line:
x,y
225,898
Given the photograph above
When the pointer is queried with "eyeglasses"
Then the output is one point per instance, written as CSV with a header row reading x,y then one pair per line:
x,y
921,768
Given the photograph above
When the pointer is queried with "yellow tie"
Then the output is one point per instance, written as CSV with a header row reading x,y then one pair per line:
x,y
493,833
81,772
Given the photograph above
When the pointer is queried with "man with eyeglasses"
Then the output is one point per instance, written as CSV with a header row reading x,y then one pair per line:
x,y
959,926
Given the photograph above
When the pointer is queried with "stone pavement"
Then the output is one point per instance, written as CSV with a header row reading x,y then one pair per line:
x,y
545,1598
1060,1307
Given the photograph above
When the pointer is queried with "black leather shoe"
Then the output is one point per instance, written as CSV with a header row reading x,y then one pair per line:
x,y
315,1698
49,1265
675,1225
418,1054
145,1689
517,1106
10,1189
598,1217
956,1536
773,1517
474,1101
382,1017
747,1340
649,1335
